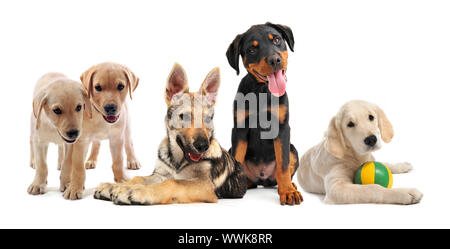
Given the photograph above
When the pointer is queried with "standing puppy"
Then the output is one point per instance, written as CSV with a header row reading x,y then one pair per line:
x,y
191,164
58,109
108,85
353,134
264,149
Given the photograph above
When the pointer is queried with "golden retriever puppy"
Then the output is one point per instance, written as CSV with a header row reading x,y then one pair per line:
x,y
353,134
58,110
108,85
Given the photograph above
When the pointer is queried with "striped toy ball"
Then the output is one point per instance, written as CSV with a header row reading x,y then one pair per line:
x,y
374,173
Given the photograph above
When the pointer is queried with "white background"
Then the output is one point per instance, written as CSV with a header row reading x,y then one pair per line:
x,y
393,53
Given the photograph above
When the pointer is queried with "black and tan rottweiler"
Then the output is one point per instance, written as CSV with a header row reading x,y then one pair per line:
x,y
268,160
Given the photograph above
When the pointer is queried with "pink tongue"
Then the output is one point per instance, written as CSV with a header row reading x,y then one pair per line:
x,y
277,83
111,118
195,157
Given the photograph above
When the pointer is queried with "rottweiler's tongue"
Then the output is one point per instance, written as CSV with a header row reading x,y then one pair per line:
x,y
195,157
111,118
277,83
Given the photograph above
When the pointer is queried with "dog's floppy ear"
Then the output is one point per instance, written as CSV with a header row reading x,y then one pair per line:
x,y
210,85
176,83
233,53
335,142
38,103
386,130
286,32
87,102
87,77
133,80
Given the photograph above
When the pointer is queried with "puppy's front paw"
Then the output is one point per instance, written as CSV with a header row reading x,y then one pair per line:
x,y
103,191
73,193
410,196
90,164
400,168
290,196
131,195
133,164
36,189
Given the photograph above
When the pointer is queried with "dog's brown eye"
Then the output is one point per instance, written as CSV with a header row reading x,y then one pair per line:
x,y
371,118
78,108
351,124
120,87
57,111
98,88
185,117
276,41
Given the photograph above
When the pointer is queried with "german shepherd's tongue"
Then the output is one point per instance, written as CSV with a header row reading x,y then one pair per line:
x,y
195,157
277,83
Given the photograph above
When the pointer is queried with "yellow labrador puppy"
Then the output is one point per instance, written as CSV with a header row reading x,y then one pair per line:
x,y
353,134
57,118
108,85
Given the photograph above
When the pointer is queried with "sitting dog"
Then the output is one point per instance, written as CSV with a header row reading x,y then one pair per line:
x,y
108,85
353,134
268,160
59,105
191,165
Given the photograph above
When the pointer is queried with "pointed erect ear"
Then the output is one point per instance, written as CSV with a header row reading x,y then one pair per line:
x,y
38,103
87,78
87,102
176,83
133,80
210,85
386,130
286,32
233,53
335,139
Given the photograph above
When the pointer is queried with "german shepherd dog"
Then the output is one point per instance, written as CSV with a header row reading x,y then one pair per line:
x,y
272,160
191,164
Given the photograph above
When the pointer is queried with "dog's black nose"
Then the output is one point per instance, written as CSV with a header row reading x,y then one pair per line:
x,y
72,134
201,145
274,61
370,140
110,109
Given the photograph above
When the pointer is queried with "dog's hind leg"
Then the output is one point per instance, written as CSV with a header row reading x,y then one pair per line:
x,y
60,155
31,154
132,162
40,179
91,163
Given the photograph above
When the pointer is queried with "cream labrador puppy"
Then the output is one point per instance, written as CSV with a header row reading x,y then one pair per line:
x,y
108,85
59,105
353,134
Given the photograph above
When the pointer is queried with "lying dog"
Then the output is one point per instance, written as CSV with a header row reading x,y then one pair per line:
x,y
59,105
108,85
191,165
353,134
267,161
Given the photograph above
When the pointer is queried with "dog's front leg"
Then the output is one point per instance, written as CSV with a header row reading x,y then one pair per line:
x,y
167,192
286,189
132,162
399,168
78,172
341,190
40,163
66,168
116,143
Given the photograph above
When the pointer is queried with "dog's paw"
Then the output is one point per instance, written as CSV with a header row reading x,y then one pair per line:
x,y
133,164
103,191
90,164
400,168
410,196
37,189
73,193
131,195
290,196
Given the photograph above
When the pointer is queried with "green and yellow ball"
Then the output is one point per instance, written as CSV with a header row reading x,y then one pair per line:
x,y
374,173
